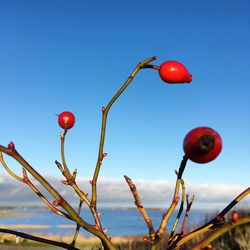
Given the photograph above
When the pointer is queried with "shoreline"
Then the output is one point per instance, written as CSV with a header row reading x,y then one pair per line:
x,y
7,239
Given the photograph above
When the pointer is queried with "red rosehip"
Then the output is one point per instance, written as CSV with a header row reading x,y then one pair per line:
x,y
66,120
174,72
202,144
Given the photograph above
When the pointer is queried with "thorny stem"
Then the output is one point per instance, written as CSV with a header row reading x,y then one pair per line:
x,y
13,153
39,239
213,222
140,66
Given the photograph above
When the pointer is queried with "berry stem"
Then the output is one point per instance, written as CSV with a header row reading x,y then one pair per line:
x,y
139,66
65,167
150,66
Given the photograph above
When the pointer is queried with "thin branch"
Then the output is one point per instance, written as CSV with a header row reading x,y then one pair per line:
x,y
105,111
166,217
140,207
39,239
42,197
175,200
77,225
214,222
189,205
66,171
223,229
8,169
26,180
180,209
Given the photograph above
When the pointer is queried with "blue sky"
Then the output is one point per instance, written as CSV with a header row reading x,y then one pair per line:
x,y
74,55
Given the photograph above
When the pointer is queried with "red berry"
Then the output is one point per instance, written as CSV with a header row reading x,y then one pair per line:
x,y
235,216
66,120
174,72
202,144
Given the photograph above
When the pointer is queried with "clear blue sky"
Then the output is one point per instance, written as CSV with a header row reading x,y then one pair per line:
x,y
74,55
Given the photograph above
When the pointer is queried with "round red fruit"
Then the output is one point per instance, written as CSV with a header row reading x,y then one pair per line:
x,y
235,216
66,120
202,144
174,72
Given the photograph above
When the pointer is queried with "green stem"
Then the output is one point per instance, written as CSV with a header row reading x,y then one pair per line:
x,y
180,209
65,167
139,66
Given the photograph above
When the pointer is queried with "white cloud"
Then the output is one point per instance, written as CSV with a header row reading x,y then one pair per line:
x,y
115,192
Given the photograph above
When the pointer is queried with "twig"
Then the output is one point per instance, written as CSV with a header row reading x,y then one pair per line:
x,y
175,200
214,222
140,207
223,229
8,169
39,239
105,111
189,204
26,180
77,225
180,209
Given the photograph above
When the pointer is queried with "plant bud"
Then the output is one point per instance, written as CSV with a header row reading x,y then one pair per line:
x,y
11,146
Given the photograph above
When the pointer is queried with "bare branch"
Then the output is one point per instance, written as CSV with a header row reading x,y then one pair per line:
x,y
39,239
140,207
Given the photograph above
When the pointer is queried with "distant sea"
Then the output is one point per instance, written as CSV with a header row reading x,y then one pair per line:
x,y
119,222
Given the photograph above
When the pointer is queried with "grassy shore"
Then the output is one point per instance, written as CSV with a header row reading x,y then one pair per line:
x,y
236,239
11,242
